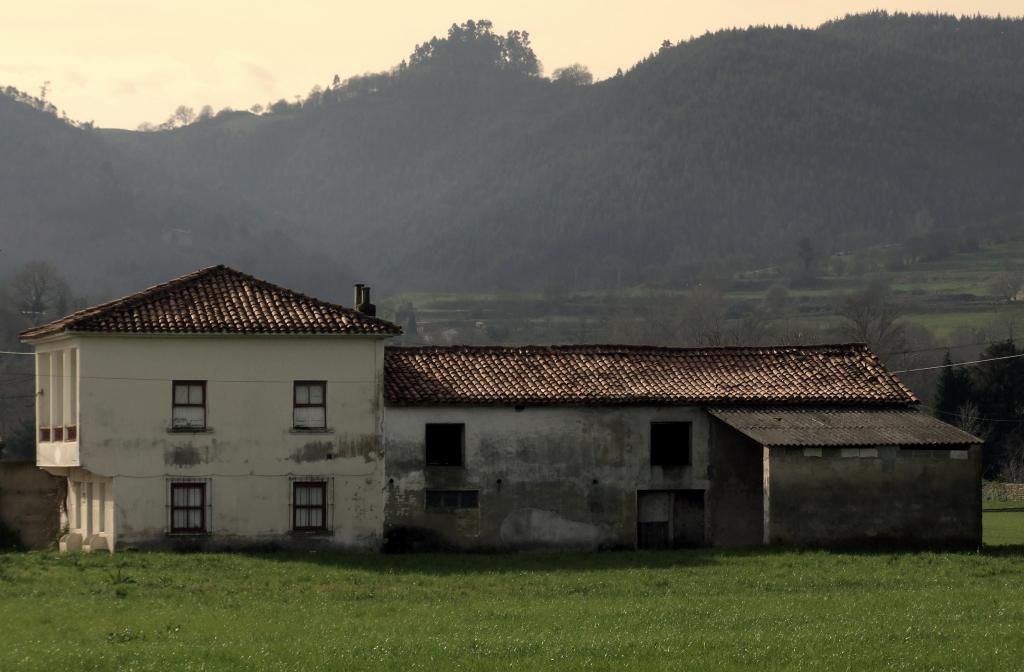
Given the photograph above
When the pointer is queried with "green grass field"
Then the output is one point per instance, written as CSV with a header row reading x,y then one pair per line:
x,y
1003,523
706,610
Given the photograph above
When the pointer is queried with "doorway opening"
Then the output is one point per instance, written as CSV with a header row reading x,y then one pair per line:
x,y
670,518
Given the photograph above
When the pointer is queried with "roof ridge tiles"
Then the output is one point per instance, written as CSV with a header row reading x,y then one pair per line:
x,y
217,299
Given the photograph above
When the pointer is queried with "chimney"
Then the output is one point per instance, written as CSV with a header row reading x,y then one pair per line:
x,y
357,296
362,301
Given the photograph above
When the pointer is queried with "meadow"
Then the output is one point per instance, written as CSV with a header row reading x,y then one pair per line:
x,y
707,610
949,299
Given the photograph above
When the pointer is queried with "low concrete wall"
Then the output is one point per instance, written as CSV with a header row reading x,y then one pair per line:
x,y
30,501
884,496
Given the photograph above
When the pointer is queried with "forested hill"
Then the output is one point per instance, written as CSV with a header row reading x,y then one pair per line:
x,y
463,169
112,223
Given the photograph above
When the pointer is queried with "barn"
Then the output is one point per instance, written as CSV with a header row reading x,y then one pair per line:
x,y
592,447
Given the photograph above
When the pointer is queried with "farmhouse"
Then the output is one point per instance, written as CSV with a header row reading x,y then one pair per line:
x,y
218,410
214,407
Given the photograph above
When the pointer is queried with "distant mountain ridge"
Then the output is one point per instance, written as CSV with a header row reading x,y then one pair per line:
x,y
722,151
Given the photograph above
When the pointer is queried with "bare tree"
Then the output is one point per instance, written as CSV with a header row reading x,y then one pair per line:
x,y
702,318
38,289
183,116
1007,285
872,316
1012,469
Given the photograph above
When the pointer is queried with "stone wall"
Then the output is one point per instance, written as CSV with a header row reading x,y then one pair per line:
x,y
30,501
1009,492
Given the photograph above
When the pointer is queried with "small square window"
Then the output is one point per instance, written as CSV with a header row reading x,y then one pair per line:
x,y
444,444
309,405
188,507
188,404
444,500
671,444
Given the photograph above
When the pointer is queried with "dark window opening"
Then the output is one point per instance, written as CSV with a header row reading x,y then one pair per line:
x,y
453,499
671,444
444,444
188,404
188,508
309,506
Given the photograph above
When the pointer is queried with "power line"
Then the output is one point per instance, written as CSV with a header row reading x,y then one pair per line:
x,y
979,419
971,363
12,352
24,376
949,347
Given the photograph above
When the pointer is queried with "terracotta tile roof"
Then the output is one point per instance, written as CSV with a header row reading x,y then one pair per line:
x,y
217,300
623,375
842,427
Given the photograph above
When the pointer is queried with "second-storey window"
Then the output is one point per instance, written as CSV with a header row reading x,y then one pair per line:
x,y
444,443
189,409
671,444
309,405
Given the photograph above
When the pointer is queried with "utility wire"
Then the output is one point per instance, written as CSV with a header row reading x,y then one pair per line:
x,y
23,376
979,419
949,366
12,352
939,348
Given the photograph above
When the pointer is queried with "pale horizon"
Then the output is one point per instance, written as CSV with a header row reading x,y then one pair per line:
x,y
120,63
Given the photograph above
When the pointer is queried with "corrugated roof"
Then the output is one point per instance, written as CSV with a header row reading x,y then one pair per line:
x,y
622,375
217,300
841,427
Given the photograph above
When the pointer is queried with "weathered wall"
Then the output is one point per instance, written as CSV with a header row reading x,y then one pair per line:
x,y
30,502
899,497
736,495
250,450
548,477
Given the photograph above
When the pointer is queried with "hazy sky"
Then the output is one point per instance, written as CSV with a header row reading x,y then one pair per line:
x,y
121,62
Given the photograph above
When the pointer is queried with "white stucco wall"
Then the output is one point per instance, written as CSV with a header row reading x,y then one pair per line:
x,y
569,475
250,451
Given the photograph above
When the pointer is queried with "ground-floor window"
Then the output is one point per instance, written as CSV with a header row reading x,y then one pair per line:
x,y
311,504
444,500
189,506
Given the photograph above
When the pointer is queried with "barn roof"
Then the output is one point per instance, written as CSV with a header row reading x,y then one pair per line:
x,y
841,427
217,300
846,375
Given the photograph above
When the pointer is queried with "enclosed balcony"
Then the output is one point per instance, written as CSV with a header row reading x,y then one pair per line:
x,y
57,408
